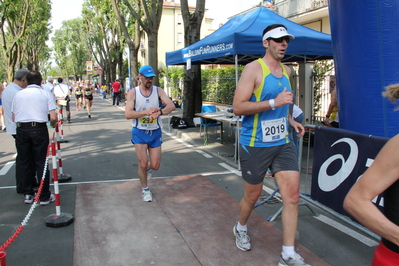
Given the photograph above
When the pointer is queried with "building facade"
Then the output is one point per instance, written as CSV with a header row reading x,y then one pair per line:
x,y
171,32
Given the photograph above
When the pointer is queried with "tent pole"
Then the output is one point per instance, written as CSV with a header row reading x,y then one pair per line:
x,y
236,63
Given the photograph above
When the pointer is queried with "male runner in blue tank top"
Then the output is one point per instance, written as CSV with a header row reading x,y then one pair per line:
x,y
263,97
142,106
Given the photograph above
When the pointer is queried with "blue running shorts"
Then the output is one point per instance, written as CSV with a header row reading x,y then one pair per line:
x,y
153,138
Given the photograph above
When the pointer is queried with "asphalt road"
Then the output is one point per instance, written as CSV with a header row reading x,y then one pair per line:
x,y
99,150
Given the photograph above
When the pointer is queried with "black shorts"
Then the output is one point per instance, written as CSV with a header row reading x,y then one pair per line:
x,y
334,124
89,97
256,160
78,96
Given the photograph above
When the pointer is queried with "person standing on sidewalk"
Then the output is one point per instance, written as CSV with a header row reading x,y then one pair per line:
x,y
61,92
30,109
263,97
116,89
9,92
49,86
143,107
332,117
104,91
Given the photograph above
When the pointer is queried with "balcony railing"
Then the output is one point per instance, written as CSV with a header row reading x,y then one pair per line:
x,y
289,8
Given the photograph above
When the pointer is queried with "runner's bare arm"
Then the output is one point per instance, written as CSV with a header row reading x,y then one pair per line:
x,y
383,172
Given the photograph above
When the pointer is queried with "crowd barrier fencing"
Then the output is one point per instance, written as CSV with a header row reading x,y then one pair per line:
x,y
56,220
315,177
321,148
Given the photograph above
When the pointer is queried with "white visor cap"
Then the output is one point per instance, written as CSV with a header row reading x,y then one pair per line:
x,y
277,33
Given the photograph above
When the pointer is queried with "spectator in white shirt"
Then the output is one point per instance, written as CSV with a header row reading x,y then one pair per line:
x,y
61,92
12,88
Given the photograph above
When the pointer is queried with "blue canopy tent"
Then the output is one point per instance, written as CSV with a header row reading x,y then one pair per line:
x,y
239,41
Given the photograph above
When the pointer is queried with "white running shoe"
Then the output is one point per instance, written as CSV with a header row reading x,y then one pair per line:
x,y
242,239
47,202
296,260
29,199
149,174
147,195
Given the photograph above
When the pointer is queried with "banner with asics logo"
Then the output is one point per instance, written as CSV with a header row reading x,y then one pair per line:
x,y
340,158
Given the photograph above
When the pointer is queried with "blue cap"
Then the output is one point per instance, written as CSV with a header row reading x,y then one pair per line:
x,y
147,71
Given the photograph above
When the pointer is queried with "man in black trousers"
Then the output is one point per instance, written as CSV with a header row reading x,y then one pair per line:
x,y
31,108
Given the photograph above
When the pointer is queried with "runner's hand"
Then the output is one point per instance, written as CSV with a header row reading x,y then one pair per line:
x,y
285,97
153,113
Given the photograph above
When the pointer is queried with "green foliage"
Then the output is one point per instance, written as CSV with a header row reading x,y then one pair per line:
x,y
103,36
70,48
3,74
174,77
54,72
24,30
219,85
321,68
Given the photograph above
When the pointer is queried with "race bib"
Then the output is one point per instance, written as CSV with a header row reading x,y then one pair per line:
x,y
88,92
146,120
273,130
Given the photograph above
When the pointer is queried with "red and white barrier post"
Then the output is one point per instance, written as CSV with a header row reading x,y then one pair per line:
x,y
57,219
61,122
3,258
61,177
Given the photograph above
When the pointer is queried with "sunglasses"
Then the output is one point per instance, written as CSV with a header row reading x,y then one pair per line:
x,y
281,39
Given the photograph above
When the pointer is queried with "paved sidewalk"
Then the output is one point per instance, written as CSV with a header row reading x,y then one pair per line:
x,y
188,223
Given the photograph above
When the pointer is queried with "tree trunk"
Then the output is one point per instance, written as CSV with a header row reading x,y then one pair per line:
x,y
192,92
153,54
120,67
133,45
192,100
134,54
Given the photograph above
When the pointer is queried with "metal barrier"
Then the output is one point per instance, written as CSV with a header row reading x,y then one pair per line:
x,y
303,190
306,164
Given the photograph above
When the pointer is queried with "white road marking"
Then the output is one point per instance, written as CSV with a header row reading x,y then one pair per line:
x,y
179,140
129,179
228,167
206,155
365,240
6,168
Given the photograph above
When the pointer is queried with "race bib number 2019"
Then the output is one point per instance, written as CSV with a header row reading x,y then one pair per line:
x,y
273,130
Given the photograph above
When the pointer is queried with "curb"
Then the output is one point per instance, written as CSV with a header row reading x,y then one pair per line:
x,y
186,137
